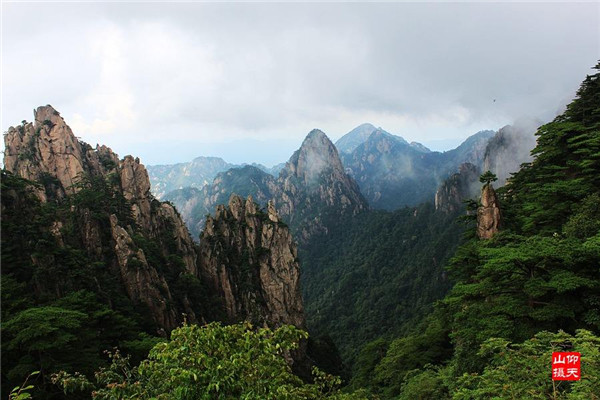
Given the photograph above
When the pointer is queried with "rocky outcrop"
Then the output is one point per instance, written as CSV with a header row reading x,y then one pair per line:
x,y
107,215
250,260
457,188
46,147
194,204
142,283
135,187
47,152
314,185
488,214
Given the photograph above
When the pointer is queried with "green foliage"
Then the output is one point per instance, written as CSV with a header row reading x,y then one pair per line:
x,y
22,392
210,362
99,196
522,370
545,192
375,274
514,286
62,306
487,178
430,346
540,273
367,360
423,384
585,221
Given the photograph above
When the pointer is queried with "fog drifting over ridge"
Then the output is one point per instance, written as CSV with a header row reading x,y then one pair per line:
x,y
247,82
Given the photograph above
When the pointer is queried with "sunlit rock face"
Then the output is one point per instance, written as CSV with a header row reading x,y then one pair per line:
x,y
252,275
488,213
250,259
47,152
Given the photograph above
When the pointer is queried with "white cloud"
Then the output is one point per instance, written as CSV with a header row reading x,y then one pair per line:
x,y
142,77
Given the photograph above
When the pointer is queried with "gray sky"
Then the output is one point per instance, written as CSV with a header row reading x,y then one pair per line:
x,y
171,81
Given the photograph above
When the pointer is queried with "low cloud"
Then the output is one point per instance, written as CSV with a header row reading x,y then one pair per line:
x,y
200,74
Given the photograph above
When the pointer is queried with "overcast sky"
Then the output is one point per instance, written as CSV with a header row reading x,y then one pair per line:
x,y
168,82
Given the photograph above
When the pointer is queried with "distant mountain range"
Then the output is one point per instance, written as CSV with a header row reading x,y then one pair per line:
x,y
384,169
312,187
196,173
393,173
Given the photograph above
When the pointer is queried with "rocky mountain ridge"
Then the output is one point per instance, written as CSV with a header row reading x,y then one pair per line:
x,y
312,187
244,248
392,173
197,173
102,205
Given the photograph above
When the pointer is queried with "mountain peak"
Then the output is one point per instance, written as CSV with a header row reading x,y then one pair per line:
x,y
420,147
358,135
316,133
316,155
380,136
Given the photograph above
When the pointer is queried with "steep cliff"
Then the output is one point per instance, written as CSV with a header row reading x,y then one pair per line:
x,y
98,209
250,259
458,187
113,207
314,187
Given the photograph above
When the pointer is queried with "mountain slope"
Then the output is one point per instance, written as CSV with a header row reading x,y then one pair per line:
x,y
376,273
354,138
392,173
196,173
91,260
312,188
527,286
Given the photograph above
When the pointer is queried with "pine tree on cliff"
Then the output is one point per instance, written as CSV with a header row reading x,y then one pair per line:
x,y
487,178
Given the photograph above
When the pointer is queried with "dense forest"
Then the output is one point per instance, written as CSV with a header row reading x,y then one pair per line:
x,y
531,289
504,302
377,273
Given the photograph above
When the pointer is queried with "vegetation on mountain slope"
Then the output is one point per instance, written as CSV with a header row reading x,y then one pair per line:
x,y
532,287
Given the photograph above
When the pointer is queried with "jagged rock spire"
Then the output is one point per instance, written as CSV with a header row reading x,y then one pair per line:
x,y
488,214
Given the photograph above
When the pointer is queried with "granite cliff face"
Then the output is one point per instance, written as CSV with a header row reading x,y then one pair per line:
x,y
250,259
488,213
194,204
47,147
46,151
314,186
103,207
458,187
